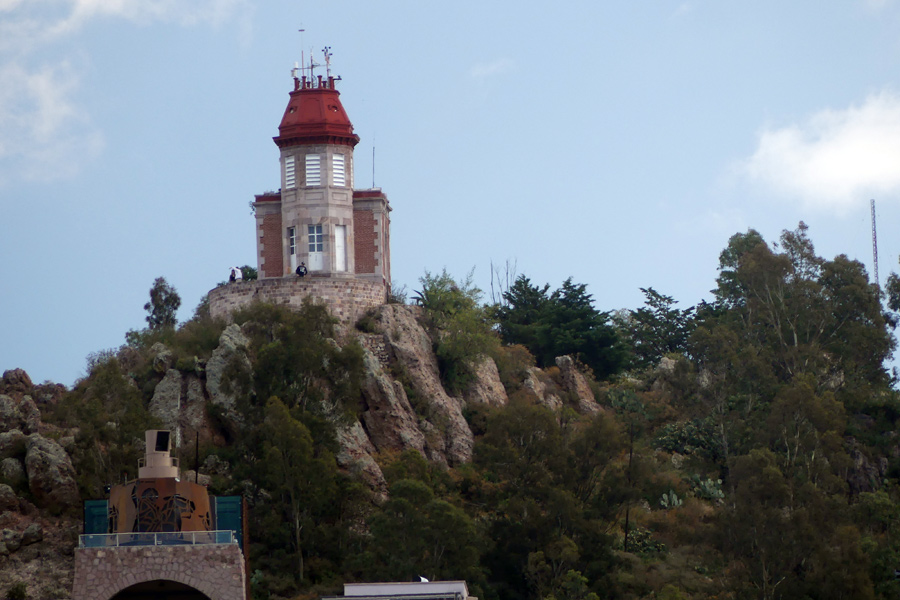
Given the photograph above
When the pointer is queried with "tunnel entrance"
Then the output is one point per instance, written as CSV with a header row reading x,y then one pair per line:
x,y
160,589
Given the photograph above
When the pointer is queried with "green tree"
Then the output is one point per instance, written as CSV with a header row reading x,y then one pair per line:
x,y
304,477
658,329
163,305
808,314
563,322
416,534
295,359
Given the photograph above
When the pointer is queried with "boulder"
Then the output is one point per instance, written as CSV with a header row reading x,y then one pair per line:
x,y
51,476
667,365
192,477
447,435
542,391
8,499
193,418
32,534
16,381
12,539
166,404
575,383
31,416
232,346
12,443
162,357
10,417
12,471
486,388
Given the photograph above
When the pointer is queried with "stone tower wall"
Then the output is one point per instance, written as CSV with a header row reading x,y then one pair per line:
x,y
346,298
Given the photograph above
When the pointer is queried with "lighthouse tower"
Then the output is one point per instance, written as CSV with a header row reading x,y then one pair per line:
x,y
313,217
317,219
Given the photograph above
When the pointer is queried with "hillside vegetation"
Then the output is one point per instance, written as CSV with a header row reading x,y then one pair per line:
x,y
536,447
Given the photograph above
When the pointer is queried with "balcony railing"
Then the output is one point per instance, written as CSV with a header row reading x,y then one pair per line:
x,y
142,462
163,538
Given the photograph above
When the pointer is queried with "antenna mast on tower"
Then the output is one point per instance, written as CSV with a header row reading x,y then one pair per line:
x,y
875,246
327,52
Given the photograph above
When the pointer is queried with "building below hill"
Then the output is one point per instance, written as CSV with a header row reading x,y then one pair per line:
x,y
317,236
425,590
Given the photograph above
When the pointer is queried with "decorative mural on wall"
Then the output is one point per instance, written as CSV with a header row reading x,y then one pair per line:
x,y
159,505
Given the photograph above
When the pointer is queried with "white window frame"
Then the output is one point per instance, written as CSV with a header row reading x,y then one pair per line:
x,y
315,238
290,173
313,170
338,171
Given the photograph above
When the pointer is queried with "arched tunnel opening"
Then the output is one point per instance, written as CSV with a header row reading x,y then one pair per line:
x,y
160,589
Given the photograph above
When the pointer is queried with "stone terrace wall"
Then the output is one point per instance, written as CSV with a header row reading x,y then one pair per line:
x,y
347,299
217,570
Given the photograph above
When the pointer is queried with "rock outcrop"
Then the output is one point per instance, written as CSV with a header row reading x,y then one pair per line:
x,y
356,456
232,347
487,387
16,381
448,438
51,476
544,393
575,383
388,419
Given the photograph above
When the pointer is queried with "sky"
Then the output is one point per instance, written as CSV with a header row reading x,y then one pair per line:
x,y
617,143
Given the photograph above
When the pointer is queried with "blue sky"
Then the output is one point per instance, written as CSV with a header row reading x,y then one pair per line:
x,y
621,144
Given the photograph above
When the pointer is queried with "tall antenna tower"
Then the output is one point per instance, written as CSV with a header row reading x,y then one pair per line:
x,y
875,246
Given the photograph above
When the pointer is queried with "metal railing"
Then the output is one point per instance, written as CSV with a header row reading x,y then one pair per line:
x,y
163,538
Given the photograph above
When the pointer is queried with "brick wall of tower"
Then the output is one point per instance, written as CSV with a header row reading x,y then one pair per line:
x,y
366,240
271,260
386,248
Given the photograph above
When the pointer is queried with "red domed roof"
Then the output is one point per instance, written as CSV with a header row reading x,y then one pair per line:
x,y
314,115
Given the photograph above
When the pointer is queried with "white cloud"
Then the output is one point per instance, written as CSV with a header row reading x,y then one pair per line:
x,y
44,133
836,158
214,12
877,4
483,70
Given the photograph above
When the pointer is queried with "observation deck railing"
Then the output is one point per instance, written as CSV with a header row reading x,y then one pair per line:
x,y
142,462
161,538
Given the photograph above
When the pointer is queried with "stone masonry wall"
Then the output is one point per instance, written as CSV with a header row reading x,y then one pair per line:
x,y
216,570
347,299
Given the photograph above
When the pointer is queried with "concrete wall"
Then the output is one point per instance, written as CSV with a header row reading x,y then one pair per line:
x,y
347,298
217,570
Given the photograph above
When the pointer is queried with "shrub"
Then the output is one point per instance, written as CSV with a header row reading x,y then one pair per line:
x,y
707,489
17,591
460,328
367,323
512,363
641,541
